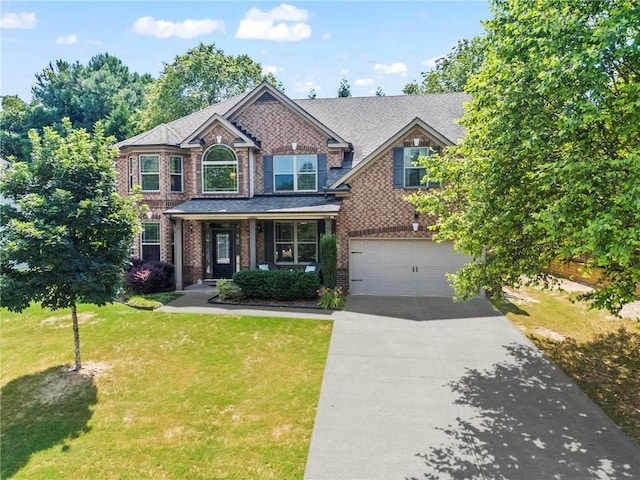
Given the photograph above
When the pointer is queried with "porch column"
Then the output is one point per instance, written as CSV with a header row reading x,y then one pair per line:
x,y
327,226
177,245
252,243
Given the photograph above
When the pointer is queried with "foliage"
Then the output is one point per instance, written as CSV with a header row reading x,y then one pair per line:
x,y
145,277
550,166
66,235
227,290
197,79
312,94
607,369
452,71
277,284
16,119
210,388
330,298
344,90
143,303
379,92
329,260
103,90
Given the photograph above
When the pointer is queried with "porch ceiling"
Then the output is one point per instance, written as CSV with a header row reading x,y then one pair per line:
x,y
265,207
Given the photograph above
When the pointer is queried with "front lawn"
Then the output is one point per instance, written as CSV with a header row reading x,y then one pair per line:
x,y
600,352
169,395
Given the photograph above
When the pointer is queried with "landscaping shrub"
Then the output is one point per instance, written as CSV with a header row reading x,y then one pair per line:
x,y
329,259
228,290
277,284
149,277
330,298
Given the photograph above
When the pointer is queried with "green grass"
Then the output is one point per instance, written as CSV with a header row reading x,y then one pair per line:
x,y
152,300
600,352
172,395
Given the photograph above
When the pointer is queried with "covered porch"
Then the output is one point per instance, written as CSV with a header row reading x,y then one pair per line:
x,y
214,238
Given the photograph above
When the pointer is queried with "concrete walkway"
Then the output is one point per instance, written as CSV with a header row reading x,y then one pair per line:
x,y
456,392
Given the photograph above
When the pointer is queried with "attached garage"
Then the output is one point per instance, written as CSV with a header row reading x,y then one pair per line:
x,y
402,267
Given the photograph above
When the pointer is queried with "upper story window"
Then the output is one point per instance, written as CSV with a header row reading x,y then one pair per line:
x,y
219,170
150,241
150,173
130,168
175,173
414,175
295,173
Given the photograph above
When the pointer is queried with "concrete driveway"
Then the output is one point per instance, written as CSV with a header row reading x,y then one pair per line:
x,y
419,388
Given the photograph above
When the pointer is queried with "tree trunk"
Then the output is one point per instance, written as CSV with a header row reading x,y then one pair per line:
x,y
76,337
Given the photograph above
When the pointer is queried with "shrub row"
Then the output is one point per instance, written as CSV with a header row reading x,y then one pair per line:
x,y
277,284
145,277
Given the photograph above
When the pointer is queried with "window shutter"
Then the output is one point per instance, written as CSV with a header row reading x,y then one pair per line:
x,y
268,177
398,167
268,241
322,171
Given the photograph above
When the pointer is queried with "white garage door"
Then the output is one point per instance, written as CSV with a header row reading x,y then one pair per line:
x,y
402,267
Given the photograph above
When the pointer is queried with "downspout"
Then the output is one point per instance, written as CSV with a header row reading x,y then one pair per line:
x,y
251,173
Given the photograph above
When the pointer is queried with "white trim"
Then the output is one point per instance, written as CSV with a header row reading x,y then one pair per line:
x,y
204,163
191,140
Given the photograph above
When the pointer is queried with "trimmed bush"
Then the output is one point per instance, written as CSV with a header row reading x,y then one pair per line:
x,y
227,290
149,277
277,284
329,260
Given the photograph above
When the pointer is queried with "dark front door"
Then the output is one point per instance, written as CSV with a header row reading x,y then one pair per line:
x,y
224,258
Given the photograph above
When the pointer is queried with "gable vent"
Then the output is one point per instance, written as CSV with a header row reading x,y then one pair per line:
x,y
266,97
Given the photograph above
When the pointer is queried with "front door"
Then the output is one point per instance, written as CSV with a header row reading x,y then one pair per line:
x,y
224,258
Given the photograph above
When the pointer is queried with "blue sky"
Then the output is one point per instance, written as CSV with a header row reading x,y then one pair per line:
x,y
305,44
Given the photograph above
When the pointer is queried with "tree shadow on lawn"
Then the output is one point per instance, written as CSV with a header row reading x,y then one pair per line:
x,y
522,419
42,410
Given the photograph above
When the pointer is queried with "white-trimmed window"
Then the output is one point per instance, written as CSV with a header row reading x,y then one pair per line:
x,y
130,173
295,173
414,175
150,241
150,173
175,173
219,170
296,242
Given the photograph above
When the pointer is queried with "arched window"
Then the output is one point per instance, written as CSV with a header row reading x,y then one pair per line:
x,y
219,170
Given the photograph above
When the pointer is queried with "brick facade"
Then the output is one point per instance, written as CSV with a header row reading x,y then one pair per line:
x,y
372,208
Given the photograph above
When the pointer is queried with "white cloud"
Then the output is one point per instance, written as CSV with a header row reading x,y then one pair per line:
x,y
326,36
363,82
306,87
188,29
393,69
67,39
22,20
344,72
271,69
431,62
259,25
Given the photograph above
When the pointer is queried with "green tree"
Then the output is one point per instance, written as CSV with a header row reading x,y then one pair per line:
x,y
344,90
104,89
16,119
312,94
66,234
550,165
452,71
329,259
379,92
197,79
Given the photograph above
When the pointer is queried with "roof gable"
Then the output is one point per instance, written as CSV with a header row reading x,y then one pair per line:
x,y
193,139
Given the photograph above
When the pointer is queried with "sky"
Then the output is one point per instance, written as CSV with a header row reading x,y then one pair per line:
x,y
305,44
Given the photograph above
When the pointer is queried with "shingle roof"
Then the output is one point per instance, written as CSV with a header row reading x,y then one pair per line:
x,y
365,122
259,204
173,133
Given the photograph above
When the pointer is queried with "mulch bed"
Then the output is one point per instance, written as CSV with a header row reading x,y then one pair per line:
x,y
263,302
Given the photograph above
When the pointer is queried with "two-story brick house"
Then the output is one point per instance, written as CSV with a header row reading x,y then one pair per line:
x,y
260,177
